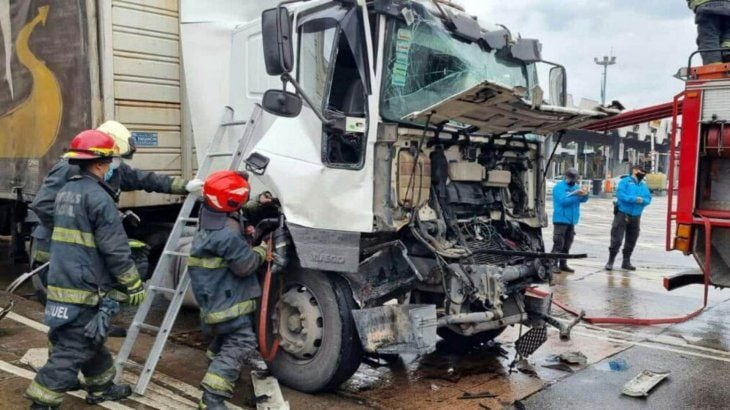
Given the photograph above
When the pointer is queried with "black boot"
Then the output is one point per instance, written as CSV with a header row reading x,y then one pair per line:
x,y
565,268
611,260
114,392
627,263
211,401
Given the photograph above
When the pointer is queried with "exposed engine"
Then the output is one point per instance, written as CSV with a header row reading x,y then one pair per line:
x,y
470,211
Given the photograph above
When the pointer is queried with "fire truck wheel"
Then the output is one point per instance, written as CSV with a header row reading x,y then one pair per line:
x,y
319,346
461,344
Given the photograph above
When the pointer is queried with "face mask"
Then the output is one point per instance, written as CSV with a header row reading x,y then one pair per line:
x,y
115,163
108,174
571,182
640,176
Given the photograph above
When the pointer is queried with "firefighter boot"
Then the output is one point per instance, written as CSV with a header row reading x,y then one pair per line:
x,y
211,401
564,266
114,392
627,263
611,260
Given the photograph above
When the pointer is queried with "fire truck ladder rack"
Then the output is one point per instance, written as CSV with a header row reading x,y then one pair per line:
x,y
171,252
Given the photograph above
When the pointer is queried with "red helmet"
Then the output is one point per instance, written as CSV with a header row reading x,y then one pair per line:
x,y
92,144
226,191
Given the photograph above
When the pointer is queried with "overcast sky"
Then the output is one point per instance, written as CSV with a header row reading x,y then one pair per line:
x,y
650,38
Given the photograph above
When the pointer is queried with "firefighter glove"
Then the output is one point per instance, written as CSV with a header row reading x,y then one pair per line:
x,y
136,293
98,328
194,185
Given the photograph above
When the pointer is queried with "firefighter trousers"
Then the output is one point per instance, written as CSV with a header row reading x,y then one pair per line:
x,y
227,352
713,30
624,226
70,352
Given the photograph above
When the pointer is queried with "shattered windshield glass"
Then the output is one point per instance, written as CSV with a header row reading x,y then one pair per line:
x,y
426,64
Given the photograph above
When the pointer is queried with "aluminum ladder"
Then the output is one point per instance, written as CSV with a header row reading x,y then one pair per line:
x,y
170,252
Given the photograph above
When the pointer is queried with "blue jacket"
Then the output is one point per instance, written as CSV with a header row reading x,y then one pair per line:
x,y
566,204
628,190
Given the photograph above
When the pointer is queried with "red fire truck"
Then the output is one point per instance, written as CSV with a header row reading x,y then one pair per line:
x,y
698,219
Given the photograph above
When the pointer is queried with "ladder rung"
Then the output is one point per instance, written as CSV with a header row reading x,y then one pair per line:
x,y
228,124
161,289
219,154
188,219
174,253
147,327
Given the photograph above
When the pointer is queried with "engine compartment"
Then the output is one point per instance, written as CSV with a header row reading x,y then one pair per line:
x,y
469,210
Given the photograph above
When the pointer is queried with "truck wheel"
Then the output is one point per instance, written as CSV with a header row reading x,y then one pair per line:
x,y
319,346
461,343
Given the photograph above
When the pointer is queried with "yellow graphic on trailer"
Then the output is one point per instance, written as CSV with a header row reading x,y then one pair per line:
x,y
30,129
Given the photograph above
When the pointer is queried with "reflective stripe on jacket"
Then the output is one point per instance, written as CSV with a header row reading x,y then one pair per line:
x,y
89,248
222,267
566,203
629,189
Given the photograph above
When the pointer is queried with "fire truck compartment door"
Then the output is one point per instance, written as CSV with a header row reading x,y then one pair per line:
x,y
496,109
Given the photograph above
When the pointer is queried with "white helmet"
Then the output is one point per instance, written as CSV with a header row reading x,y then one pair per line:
x,y
121,135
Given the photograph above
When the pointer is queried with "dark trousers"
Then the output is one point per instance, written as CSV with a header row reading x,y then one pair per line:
x,y
227,352
563,235
628,226
713,28
70,352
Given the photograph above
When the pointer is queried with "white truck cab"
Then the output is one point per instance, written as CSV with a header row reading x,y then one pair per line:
x,y
404,143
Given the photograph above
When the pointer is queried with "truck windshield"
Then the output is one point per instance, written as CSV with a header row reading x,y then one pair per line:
x,y
426,64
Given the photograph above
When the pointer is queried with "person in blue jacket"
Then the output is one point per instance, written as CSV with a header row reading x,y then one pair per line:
x,y
632,196
567,198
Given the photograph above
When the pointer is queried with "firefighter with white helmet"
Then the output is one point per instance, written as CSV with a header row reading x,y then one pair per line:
x,y
91,271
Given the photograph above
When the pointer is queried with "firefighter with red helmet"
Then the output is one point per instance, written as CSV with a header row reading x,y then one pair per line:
x,y
222,267
90,262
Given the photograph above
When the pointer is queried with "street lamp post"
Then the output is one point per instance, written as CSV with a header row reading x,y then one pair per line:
x,y
607,61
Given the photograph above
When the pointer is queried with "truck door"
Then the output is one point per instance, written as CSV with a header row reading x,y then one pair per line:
x,y
333,71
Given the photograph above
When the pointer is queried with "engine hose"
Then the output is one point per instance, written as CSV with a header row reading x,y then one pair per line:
x,y
268,353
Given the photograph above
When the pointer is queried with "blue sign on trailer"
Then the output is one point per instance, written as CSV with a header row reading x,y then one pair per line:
x,y
144,139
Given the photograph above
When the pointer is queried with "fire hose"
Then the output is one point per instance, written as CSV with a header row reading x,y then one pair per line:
x,y
597,320
268,353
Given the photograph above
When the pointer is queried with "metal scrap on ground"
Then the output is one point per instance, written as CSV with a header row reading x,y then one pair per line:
x,y
640,385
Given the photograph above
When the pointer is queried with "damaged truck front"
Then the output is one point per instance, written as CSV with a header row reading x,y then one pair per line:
x,y
407,153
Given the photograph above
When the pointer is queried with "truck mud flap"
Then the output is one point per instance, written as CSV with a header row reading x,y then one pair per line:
x,y
397,329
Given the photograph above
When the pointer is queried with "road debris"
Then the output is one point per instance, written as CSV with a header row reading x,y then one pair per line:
x,y
577,358
640,385
559,366
482,395
523,366
267,392
618,365
4,311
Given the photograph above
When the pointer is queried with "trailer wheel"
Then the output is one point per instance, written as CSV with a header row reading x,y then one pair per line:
x,y
460,343
319,346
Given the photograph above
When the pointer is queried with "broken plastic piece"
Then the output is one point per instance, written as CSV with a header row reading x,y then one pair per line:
x,y
267,392
618,365
482,395
574,358
640,385
559,366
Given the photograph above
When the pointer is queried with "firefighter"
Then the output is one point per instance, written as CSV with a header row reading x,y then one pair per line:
x,y
222,267
120,177
90,260
567,198
632,196
713,27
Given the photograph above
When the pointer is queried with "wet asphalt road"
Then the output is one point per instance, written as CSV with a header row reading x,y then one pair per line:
x,y
696,352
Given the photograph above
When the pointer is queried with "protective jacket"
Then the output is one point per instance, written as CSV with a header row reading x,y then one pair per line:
x,y
124,178
89,249
222,267
694,4
628,190
566,203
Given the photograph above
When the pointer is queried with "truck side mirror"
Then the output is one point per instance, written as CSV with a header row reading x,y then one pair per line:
x,y
282,103
276,30
527,50
558,86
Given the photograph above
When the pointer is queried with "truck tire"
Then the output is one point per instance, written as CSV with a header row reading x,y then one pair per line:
x,y
460,343
329,352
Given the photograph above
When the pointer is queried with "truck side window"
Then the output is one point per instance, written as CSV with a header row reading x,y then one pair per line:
x,y
343,144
